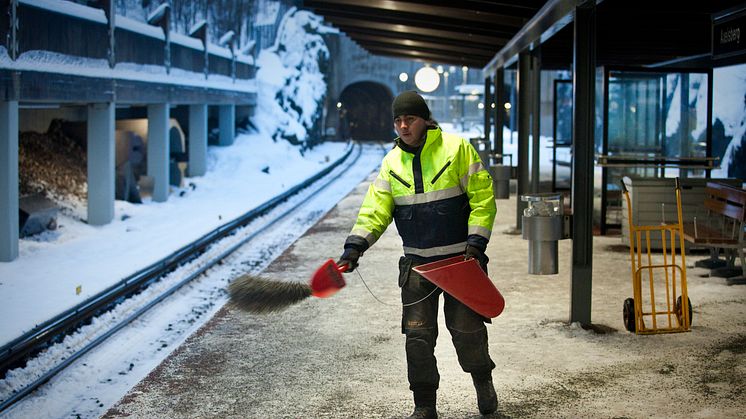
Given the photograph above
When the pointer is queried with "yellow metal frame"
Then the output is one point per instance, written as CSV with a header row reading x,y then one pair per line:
x,y
676,322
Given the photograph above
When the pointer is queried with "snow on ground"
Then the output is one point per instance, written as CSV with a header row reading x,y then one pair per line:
x,y
50,267
93,383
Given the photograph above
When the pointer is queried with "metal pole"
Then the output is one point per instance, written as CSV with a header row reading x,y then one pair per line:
x,y
535,119
708,147
487,110
584,66
605,150
499,109
685,124
524,126
554,136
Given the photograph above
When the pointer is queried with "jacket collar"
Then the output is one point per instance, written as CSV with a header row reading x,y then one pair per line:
x,y
433,135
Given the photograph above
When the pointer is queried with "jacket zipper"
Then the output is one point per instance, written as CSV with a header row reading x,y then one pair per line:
x,y
403,182
448,163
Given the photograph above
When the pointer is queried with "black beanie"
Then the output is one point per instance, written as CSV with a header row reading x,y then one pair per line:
x,y
410,103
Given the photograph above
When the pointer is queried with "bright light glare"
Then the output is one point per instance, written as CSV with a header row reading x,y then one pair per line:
x,y
427,79
508,106
403,77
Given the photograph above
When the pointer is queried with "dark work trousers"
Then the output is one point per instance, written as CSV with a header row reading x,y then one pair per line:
x,y
420,325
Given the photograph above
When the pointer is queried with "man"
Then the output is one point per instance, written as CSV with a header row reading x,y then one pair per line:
x,y
438,192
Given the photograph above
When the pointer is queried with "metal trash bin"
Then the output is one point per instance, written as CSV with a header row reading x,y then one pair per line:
x,y
543,227
501,175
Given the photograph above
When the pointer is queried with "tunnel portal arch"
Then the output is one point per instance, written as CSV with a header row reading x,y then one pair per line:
x,y
365,112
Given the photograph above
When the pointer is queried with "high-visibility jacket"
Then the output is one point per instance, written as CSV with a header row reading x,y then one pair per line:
x,y
439,195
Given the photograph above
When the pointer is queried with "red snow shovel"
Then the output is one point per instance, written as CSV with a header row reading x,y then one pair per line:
x,y
327,280
466,282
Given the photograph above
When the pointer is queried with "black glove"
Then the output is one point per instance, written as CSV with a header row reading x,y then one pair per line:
x,y
349,257
473,252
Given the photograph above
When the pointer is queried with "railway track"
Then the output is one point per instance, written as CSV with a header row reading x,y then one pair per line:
x,y
194,259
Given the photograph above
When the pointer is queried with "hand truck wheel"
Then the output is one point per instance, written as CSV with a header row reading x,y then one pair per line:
x,y
629,314
679,312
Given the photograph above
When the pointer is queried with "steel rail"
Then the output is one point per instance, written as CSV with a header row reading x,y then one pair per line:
x,y
47,333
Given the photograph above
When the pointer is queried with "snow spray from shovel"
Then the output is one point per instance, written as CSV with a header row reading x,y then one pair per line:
x,y
259,295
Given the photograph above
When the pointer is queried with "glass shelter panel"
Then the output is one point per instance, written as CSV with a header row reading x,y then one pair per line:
x,y
655,125
562,136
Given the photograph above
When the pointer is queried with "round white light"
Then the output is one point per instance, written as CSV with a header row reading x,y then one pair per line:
x,y
492,105
480,105
403,77
507,106
439,69
339,105
426,79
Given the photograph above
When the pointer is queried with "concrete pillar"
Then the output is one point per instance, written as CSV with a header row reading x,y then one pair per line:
x,y
158,150
197,140
227,124
8,181
101,163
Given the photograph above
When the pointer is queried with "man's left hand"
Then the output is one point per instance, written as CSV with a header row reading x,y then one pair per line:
x,y
473,252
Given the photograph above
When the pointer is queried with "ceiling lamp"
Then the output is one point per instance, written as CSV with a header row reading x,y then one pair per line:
x,y
427,79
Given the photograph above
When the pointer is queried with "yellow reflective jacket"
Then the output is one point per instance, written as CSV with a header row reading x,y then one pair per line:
x,y
440,196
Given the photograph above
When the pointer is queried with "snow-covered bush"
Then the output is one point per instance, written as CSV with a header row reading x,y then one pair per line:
x,y
290,79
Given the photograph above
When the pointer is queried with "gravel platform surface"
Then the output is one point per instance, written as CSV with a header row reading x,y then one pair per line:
x,y
343,357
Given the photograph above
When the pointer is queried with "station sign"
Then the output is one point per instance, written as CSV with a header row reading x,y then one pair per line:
x,y
729,35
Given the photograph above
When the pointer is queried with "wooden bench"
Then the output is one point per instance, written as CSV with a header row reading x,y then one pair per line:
x,y
723,228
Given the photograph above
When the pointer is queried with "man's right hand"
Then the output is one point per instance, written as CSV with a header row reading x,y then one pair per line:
x,y
349,257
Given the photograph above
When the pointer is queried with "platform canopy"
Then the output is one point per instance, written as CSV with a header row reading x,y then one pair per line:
x,y
489,34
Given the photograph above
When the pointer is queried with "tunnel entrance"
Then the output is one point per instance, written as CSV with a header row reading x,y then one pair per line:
x,y
365,112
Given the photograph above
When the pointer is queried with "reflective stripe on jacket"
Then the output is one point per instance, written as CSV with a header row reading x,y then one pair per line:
x,y
438,196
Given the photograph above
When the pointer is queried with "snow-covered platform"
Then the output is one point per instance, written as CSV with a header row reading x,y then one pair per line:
x,y
344,356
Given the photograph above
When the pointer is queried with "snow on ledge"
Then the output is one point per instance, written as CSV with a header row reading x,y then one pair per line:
x,y
52,62
186,41
69,8
138,27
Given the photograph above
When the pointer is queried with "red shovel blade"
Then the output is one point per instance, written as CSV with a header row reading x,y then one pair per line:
x,y
466,282
327,280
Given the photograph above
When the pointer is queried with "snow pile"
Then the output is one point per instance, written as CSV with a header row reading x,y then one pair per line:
x,y
291,80
53,164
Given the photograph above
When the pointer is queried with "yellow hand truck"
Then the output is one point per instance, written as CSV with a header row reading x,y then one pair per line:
x,y
641,313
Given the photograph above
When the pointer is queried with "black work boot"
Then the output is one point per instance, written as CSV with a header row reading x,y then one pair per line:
x,y
424,412
486,396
